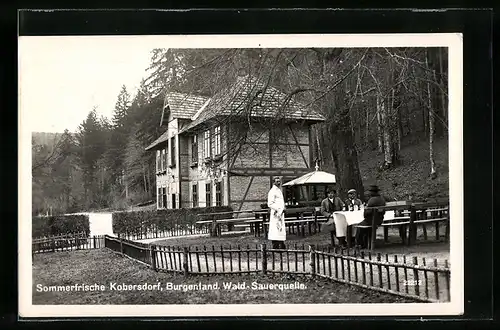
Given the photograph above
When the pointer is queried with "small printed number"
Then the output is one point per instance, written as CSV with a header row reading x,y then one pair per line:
x,y
413,282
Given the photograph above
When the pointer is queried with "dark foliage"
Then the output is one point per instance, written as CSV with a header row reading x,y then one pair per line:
x,y
60,225
135,223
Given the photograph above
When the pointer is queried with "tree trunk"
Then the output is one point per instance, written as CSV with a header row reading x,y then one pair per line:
x,y
367,127
400,132
126,184
346,156
444,110
379,126
386,136
425,119
431,128
149,183
144,179
319,153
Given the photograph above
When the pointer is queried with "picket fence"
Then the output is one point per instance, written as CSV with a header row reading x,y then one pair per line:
x,y
417,278
68,242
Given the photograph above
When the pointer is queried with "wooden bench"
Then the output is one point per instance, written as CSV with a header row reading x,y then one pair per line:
x,y
226,218
407,218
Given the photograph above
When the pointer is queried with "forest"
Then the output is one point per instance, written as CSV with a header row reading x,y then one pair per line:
x,y
376,102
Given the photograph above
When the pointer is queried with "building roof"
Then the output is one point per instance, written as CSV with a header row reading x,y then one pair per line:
x,y
183,106
158,141
268,102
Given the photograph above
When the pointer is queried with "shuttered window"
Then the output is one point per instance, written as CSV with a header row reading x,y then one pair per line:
x,y
195,194
194,149
217,143
206,144
218,194
208,194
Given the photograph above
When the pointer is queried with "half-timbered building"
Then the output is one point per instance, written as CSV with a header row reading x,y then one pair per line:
x,y
225,150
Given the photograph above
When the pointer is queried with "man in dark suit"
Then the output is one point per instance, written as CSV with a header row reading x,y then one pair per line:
x,y
331,204
363,235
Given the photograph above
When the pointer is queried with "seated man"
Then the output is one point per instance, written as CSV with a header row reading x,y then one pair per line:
x,y
353,202
329,205
363,235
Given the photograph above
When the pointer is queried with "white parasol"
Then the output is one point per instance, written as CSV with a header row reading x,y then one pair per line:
x,y
312,178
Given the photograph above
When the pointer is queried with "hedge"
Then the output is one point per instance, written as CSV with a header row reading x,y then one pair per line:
x,y
59,225
141,222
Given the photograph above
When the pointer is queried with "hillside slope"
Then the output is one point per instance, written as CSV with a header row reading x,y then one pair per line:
x,y
411,177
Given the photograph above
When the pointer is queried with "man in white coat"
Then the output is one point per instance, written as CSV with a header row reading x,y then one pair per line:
x,y
276,202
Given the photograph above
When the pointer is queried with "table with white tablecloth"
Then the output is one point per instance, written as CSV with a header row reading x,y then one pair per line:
x,y
344,220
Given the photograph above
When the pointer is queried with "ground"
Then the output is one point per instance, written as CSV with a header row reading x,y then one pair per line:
x,y
103,266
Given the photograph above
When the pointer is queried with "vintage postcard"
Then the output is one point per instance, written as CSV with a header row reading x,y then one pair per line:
x,y
241,175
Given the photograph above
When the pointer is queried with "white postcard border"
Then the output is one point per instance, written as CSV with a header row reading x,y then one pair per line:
x,y
451,40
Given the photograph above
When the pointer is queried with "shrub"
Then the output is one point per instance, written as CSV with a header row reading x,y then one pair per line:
x,y
60,225
141,222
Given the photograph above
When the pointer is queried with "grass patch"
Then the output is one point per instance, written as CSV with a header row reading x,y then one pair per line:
x,y
104,266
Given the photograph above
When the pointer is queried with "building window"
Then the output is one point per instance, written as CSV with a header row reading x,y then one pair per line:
x,y
159,198
206,144
158,161
164,160
195,194
174,204
172,152
164,197
216,147
194,150
208,194
218,193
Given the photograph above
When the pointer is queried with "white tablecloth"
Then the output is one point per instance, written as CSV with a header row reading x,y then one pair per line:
x,y
342,219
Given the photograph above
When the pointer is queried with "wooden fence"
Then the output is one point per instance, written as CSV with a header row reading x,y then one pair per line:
x,y
177,231
78,241
416,278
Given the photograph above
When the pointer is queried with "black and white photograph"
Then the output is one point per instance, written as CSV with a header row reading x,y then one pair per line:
x,y
240,175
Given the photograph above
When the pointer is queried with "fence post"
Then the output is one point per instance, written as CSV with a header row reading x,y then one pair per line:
x,y
121,245
415,277
185,261
263,251
312,256
152,253
412,233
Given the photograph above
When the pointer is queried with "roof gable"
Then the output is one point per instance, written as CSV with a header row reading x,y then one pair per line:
x,y
183,106
267,101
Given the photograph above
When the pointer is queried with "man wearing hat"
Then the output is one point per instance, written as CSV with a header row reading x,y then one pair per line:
x,y
353,202
364,234
329,205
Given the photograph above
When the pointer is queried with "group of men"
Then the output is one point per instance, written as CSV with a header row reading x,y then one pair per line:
x,y
332,203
